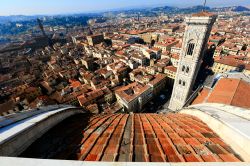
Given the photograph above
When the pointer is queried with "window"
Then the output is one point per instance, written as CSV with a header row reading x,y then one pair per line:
x,y
183,68
187,70
180,82
183,83
190,48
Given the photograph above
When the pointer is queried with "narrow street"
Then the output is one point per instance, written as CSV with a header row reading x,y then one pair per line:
x,y
159,103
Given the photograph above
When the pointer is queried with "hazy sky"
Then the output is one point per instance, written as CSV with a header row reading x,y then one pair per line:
x,y
29,7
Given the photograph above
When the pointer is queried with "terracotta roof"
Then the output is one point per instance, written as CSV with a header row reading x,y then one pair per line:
x,y
178,45
229,61
158,78
203,14
227,91
155,49
75,84
171,68
232,92
242,96
131,91
202,96
163,61
152,137
90,96
247,66
135,32
175,56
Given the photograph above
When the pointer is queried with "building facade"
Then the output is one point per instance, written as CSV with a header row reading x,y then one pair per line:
x,y
194,44
95,39
222,66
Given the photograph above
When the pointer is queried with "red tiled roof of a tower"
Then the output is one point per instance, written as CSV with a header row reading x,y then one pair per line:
x,y
152,138
203,14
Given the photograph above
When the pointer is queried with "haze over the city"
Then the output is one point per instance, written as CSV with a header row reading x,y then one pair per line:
x,y
31,7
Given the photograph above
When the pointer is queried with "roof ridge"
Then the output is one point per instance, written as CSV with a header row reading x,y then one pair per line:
x,y
235,91
210,92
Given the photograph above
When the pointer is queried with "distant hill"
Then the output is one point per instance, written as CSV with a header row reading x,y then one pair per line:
x,y
232,8
169,9
194,9
165,9
15,18
148,11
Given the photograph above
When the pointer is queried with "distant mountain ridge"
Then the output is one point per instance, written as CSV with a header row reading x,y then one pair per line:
x,y
232,8
14,18
198,8
166,9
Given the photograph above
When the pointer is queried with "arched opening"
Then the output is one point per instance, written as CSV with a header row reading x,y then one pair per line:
x,y
190,47
183,68
180,82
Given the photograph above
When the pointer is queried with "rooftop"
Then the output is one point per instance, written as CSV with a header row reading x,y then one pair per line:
x,y
203,14
229,91
230,62
152,137
131,91
171,68
229,122
202,96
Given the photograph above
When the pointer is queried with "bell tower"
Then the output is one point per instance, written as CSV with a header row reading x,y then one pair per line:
x,y
198,28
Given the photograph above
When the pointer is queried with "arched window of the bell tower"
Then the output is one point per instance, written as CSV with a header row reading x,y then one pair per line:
x,y
180,82
183,68
190,47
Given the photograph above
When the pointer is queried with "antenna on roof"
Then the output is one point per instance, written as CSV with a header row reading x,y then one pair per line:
x,y
204,6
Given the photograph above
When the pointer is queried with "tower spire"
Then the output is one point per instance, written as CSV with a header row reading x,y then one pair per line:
x,y
204,6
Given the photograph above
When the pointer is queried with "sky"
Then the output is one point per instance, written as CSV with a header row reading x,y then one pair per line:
x,y
50,7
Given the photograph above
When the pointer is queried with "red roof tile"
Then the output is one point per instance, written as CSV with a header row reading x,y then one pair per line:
x,y
152,137
201,96
231,91
175,158
230,61
227,91
203,14
192,141
210,158
192,158
228,158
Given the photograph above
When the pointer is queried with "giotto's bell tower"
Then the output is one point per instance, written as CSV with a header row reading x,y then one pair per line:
x,y
198,28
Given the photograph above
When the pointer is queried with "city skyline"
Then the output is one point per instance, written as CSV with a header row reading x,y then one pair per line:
x,y
98,82
46,7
